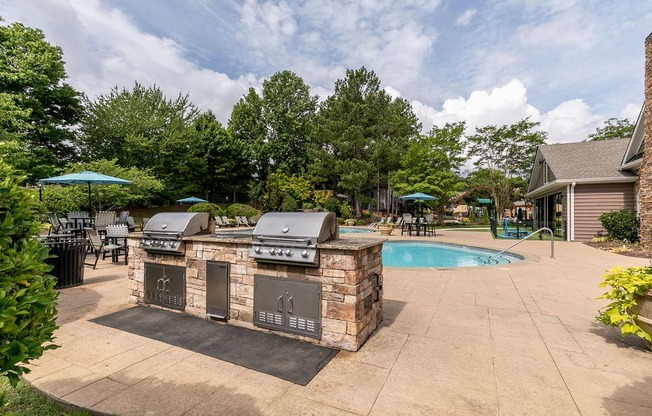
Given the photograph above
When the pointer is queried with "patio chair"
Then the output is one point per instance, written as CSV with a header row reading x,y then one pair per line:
x,y
131,224
218,221
407,223
117,235
244,222
122,219
226,221
98,246
252,221
57,226
102,219
430,225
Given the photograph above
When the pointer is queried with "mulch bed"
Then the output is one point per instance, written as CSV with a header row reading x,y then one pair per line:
x,y
626,249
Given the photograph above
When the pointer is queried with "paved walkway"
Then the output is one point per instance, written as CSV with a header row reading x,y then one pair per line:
x,y
507,340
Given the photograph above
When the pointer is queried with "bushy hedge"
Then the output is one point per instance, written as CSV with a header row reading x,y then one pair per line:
x,y
27,296
621,225
289,204
212,209
242,210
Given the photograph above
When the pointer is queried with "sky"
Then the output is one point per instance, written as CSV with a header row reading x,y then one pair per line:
x,y
567,64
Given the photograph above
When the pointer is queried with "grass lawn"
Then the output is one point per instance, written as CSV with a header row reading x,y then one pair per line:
x,y
26,401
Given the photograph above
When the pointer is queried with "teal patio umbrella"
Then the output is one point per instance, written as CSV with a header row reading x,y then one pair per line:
x,y
86,177
191,200
418,196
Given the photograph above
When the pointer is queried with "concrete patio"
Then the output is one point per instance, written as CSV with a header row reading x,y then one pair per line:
x,y
503,340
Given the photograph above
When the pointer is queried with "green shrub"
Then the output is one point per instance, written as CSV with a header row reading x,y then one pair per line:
x,y
289,204
361,222
345,211
627,287
308,206
621,225
332,204
340,220
242,210
212,209
27,296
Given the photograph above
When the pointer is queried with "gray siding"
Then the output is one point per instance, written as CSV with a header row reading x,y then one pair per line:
x,y
591,201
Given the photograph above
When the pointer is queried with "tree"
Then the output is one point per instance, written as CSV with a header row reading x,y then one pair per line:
x,y
278,127
504,154
27,296
220,162
613,129
288,111
431,165
39,110
247,125
144,129
362,132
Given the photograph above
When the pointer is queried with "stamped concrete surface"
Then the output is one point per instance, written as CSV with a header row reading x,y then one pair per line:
x,y
511,339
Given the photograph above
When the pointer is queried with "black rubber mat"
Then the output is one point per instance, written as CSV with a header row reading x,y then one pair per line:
x,y
286,358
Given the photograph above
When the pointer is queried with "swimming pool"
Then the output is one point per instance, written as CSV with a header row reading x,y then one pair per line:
x,y
440,255
351,230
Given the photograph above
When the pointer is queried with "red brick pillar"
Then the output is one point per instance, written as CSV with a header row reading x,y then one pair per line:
x,y
645,174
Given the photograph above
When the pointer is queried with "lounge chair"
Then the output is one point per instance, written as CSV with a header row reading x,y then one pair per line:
x,y
218,221
243,221
226,222
252,221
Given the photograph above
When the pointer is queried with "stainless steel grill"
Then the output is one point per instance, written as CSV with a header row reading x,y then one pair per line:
x,y
164,231
292,238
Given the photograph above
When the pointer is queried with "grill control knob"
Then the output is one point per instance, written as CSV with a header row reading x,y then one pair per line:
x,y
304,253
272,251
288,252
257,250
173,244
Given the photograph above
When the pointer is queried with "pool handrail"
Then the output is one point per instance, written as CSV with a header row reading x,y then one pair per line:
x,y
552,243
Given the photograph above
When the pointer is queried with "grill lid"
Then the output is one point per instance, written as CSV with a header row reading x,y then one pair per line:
x,y
180,223
304,227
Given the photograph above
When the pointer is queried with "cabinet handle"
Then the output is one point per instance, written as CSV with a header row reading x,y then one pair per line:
x,y
280,302
159,284
290,304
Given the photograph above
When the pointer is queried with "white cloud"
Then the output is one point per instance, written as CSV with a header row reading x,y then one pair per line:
x,y
503,105
103,49
466,17
570,121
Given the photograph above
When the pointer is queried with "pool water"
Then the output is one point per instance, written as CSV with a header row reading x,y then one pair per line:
x,y
351,230
439,255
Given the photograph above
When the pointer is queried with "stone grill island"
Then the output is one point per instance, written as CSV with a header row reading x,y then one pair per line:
x,y
337,304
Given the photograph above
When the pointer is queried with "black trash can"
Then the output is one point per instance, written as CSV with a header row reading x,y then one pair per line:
x,y
69,261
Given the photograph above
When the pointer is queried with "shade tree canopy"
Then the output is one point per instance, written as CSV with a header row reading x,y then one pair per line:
x,y
362,133
38,110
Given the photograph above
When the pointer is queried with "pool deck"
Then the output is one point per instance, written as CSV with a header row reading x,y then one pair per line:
x,y
501,340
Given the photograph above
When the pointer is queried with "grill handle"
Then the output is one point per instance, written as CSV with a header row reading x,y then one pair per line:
x,y
283,239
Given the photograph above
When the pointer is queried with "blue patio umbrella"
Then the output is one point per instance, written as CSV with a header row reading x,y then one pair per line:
x,y
190,200
418,196
86,177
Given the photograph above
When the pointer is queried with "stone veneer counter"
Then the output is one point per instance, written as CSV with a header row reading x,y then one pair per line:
x,y
349,272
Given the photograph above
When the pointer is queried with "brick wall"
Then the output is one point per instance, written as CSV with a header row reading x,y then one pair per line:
x,y
645,173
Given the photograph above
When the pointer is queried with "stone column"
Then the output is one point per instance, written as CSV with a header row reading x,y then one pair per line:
x,y
645,173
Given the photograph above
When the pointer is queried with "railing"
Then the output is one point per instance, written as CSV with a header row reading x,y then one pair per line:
x,y
552,243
